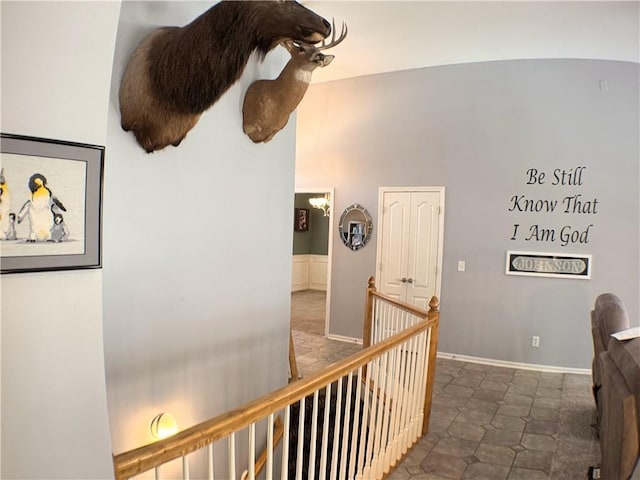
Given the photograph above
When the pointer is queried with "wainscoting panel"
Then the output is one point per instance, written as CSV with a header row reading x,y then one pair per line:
x,y
300,273
318,272
309,272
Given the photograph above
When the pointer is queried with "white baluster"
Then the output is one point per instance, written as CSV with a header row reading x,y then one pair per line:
x,y
185,468
408,355
284,474
357,426
336,432
384,439
311,467
363,437
299,458
325,434
412,384
402,391
252,451
393,414
380,416
270,447
423,378
232,456
210,461
345,428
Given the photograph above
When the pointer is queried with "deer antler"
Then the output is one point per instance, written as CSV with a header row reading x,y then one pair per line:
x,y
334,41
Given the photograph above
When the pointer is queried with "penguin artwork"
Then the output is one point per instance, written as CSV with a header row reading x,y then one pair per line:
x,y
11,232
5,206
59,231
41,209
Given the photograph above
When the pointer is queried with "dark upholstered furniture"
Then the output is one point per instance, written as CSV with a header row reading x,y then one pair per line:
x,y
608,316
616,386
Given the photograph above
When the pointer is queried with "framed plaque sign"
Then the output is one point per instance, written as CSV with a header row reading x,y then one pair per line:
x,y
544,264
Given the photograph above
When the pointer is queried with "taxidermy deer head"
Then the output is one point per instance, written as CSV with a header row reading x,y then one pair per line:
x,y
269,103
177,73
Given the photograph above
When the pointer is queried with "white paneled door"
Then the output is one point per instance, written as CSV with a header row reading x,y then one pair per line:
x,y
409,257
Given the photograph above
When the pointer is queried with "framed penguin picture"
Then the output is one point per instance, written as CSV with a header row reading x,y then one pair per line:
x,y
50,204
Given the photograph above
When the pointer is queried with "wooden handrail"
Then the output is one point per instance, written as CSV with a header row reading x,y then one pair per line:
x,y
144,458
368,309
412,309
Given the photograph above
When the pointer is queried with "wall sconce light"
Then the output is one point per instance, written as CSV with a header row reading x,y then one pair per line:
x,y
163,426
321,203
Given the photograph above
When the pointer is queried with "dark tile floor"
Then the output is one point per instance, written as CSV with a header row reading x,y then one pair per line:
x,y
490,422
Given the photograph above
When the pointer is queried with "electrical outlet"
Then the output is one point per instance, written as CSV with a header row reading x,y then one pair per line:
x,y
461,266
535,341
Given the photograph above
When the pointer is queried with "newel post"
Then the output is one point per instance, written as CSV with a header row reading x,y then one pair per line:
x,y
432,315
368,318
368,313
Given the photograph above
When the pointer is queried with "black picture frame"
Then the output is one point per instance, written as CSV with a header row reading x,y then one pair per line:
x,y
67,201
301,220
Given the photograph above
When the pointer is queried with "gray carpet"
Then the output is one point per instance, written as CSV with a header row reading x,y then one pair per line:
x,y
308,311
577,442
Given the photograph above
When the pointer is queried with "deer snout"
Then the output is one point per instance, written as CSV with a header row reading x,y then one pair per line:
x,y
309,35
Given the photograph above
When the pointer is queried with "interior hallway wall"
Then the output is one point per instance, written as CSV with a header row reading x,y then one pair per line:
x,y
197,255
56,66
477,129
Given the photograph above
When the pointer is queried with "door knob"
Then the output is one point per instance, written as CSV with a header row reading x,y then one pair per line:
x,y
403,280
410,280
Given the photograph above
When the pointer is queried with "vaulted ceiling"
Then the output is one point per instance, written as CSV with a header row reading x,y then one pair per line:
x,y
386,36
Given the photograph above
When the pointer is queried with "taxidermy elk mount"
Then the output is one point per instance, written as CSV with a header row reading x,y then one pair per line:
x,y
268,103
177,73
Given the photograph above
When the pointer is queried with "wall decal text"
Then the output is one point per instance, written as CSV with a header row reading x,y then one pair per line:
x,y
571,207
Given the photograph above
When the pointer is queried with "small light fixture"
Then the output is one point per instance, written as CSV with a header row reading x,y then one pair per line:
x,y
321,203
163,426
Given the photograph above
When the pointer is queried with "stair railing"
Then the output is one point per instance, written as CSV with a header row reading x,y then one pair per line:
x,y
366,411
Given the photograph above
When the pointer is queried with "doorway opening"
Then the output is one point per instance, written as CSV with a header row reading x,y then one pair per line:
x,y
311,262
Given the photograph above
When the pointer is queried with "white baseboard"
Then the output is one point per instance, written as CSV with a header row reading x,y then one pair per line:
x,y
342,338
521,366
485,361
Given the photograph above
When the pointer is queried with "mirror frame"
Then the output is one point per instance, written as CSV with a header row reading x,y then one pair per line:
x,y
355,228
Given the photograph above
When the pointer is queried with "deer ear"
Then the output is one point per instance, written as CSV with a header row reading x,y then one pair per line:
x,y
327,60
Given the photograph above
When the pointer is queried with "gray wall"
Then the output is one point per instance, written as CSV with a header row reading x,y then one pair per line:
x,y
476,129
196,275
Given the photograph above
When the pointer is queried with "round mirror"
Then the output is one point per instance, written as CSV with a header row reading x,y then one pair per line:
x,y
355,226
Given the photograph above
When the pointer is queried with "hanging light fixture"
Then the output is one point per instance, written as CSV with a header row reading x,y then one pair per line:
x,y
321,203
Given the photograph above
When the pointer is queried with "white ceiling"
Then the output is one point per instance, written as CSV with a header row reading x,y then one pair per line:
x,y
393,35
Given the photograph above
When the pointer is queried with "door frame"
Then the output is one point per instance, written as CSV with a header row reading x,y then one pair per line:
x,y
331,192
440,190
